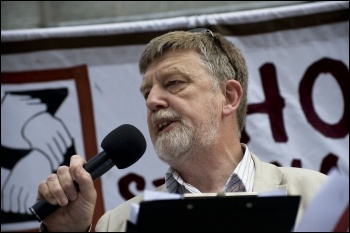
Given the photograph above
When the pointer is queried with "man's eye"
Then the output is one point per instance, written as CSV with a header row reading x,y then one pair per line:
x,y
145,94
172,83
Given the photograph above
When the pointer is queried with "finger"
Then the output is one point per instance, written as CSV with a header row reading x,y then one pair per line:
x,y
76,161
86,185
81,176
67,183
42,189
44,193
55,189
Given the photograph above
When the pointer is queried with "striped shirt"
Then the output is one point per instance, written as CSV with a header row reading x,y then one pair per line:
x,y
245,171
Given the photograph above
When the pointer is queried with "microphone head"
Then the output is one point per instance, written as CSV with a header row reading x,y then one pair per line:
x,y
124,145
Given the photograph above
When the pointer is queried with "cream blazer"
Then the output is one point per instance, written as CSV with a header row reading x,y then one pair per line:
x,y
268,177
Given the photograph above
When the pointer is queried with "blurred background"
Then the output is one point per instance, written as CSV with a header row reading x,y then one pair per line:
x,y
43,14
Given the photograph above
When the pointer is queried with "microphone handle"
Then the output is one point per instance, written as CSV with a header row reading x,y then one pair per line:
x,y
42,209
97,166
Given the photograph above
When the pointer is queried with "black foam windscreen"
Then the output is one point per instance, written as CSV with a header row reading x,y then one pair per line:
x,y
124,145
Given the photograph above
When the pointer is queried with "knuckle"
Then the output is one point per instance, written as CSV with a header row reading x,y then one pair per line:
x,y
51,178
61,170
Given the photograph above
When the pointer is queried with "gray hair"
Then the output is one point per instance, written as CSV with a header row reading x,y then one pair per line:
x,y
220,57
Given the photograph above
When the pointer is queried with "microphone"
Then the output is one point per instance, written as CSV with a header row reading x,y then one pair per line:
x,y
122,147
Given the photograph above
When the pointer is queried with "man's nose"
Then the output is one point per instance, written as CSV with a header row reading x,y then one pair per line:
x,y
157,99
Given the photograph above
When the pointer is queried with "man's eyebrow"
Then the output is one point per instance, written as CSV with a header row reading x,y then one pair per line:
x,y
144,85
165,73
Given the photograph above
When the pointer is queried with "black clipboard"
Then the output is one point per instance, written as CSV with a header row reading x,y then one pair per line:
x,y
218,214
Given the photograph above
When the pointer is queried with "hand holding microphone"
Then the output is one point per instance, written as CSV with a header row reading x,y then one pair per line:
x,y
72,187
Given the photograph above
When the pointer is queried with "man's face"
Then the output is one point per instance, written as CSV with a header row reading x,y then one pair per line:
x,y
182,110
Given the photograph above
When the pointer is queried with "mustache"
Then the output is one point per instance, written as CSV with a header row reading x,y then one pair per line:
x,y
161,114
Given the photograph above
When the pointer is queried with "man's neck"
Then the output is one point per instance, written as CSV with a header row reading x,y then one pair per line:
x,y
211,172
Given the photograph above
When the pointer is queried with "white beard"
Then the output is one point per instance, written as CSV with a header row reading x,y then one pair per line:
x,y
185,141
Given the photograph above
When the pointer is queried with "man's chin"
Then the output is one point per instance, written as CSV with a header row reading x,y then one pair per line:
x,y
165,158
172,162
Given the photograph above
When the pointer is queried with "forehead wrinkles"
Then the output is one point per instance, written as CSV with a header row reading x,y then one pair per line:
x,y
179,62
180,58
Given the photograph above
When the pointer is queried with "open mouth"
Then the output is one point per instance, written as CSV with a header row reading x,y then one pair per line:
x,y
162,126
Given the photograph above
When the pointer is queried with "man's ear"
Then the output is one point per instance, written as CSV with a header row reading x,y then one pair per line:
x,y
233,94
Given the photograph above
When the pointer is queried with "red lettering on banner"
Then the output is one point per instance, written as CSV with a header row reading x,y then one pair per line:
x,y
273,104
296,163
328,162
158,182
125,182
341,74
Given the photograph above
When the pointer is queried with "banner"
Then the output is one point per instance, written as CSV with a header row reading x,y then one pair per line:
x,y
64,89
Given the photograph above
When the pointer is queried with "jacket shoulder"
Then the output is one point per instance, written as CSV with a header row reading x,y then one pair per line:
x,y
115,219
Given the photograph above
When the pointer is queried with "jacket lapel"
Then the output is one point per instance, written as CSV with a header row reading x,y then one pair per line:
x,y
267,176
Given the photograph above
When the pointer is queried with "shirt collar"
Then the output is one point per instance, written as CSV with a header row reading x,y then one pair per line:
x,y
245,171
